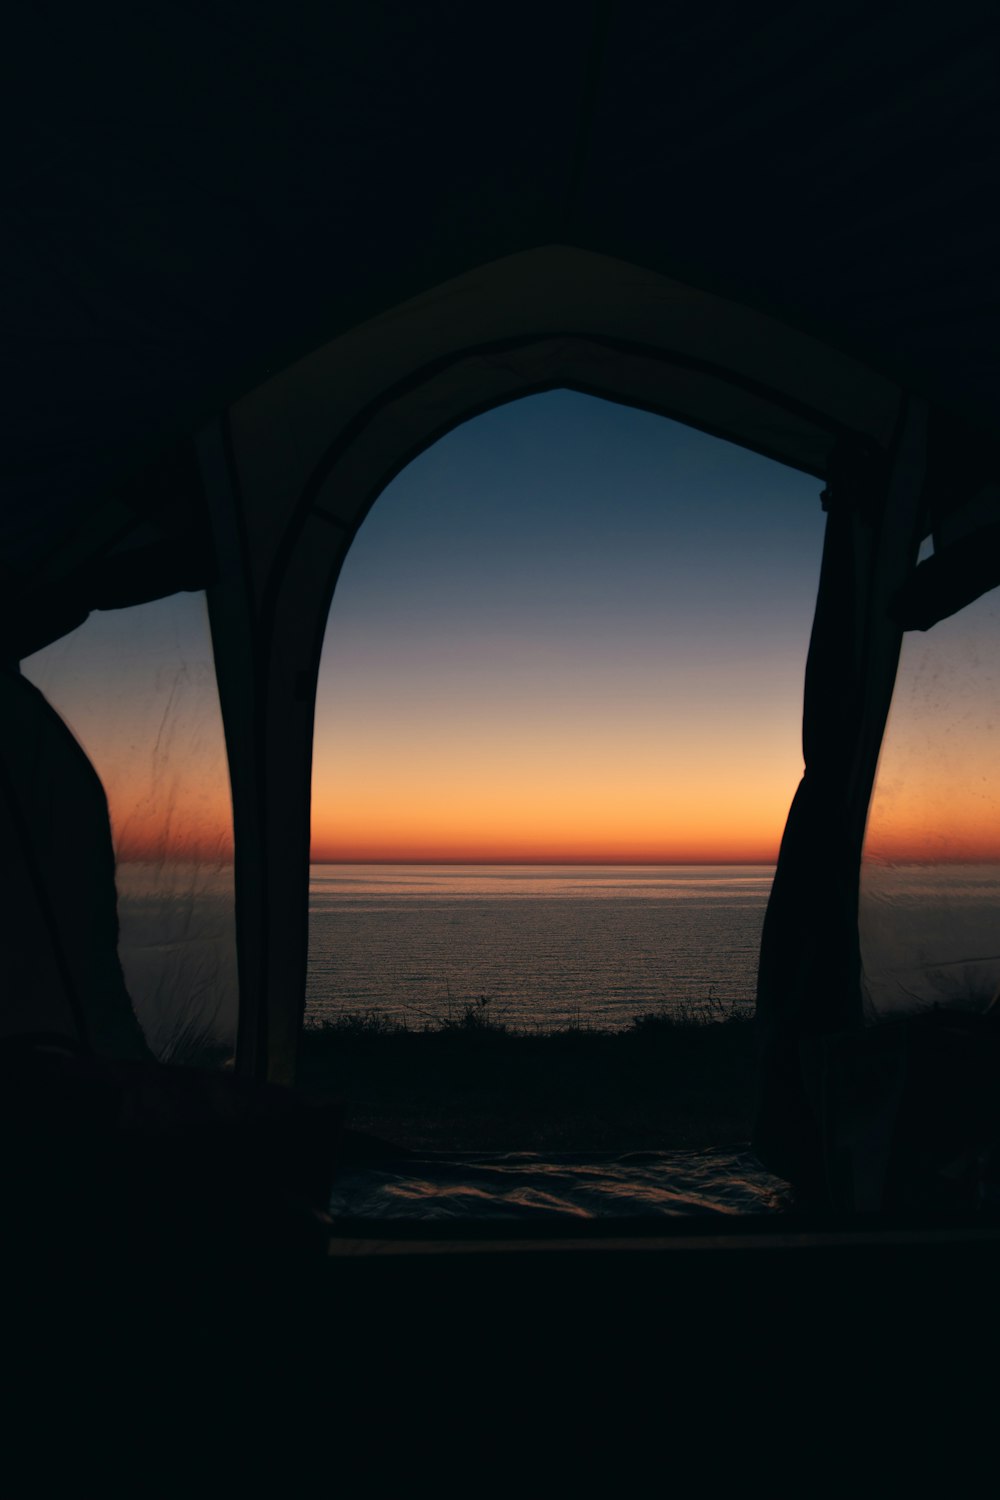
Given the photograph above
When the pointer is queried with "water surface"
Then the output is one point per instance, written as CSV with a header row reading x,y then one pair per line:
x,y
544,944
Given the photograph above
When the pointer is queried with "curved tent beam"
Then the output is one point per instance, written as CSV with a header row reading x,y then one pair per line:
x,y
352,473
290,421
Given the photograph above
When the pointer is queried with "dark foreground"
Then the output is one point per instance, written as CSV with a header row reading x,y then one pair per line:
x,y
176,1289
662,1084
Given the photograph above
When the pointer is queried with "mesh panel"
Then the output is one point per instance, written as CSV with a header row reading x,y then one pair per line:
x,y
930,888
137,688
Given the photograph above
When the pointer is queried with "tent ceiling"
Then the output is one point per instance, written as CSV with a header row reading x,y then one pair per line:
x,y
207,193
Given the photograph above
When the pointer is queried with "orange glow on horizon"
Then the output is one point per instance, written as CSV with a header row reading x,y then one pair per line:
x,y
937,796
933,816
654,807
928,822
515,808
479,851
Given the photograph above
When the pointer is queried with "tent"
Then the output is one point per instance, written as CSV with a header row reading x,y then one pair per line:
x,y
258,259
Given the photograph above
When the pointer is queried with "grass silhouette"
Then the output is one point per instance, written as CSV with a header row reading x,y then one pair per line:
x,y
680,1076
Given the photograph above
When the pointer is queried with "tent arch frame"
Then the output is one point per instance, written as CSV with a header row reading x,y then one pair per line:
x,y
292,469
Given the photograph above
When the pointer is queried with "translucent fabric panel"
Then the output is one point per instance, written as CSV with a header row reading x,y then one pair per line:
x,y
930,886
137,688
60,975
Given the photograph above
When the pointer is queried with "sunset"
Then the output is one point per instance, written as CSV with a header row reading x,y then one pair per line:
x,y
936,798
569,632
499,823
569,640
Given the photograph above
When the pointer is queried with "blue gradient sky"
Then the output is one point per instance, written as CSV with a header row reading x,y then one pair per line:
x,y
569,630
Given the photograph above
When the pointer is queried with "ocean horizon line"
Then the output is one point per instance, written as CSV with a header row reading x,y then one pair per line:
x,y
569,864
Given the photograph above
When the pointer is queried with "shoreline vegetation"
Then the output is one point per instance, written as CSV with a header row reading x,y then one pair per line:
x,y
675,1078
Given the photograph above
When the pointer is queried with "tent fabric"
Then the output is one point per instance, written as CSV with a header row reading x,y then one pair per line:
x,y
245,194
252,269
810,963
61,973
294,468
929,924
134,691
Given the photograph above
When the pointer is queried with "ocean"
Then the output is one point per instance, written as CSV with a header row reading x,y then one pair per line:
x,y
544,946
547,945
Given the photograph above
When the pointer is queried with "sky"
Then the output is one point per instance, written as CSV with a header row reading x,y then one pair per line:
x,y
137,688
569,631
937,794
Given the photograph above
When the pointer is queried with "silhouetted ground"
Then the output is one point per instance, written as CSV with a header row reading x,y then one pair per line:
x,y
664,1083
